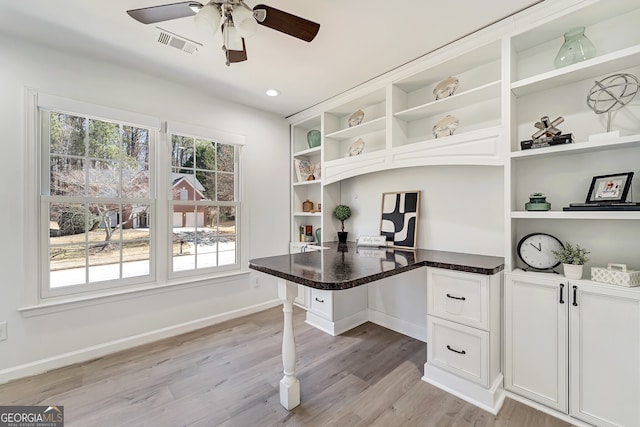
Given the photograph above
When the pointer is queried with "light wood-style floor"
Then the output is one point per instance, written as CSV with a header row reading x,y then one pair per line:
x,y
228,374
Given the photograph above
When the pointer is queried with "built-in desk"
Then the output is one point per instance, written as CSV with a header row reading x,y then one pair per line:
x,y
341,267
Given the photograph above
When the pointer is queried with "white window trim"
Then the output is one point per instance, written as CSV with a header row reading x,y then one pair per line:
x,y
33,304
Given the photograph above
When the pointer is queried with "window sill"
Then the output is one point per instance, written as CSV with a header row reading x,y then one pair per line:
x,y
76,302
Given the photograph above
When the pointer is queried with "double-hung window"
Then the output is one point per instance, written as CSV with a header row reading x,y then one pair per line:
x,y
97,202
204,207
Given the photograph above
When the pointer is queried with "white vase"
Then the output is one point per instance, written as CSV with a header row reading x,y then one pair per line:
x,y
572,271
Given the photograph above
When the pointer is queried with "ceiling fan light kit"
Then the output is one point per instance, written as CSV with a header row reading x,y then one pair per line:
x,y
238,21
208,19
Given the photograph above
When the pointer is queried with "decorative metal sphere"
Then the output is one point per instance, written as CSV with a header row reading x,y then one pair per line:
x,y
612,93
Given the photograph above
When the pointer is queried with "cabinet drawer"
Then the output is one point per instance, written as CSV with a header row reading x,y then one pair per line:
x,y
321,303
458,349
459,297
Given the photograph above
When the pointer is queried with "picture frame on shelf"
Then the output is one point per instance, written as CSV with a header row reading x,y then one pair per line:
x,y
610,188
399,218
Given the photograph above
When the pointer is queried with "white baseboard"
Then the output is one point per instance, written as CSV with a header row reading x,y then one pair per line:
x,y
339,327
542,408
417,331
89,353
489,399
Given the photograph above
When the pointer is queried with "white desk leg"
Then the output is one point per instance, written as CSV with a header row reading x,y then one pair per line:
x,y
289,384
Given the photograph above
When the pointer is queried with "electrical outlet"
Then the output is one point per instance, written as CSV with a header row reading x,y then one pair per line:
x,y
256,281
3,331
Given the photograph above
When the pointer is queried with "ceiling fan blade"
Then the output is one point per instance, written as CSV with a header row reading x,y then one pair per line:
x,y
165,12
234,56
285,22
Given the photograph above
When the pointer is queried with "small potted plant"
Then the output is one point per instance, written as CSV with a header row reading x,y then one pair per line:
x,y
342,213
573,259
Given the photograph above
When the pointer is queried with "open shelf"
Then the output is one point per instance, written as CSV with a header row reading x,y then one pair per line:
x,y
590,68
577,147
456,101
354,131
600,215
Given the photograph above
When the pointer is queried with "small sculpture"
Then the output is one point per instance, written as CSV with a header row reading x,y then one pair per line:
x,y
612,93
446,87
446,126
547,128
356,118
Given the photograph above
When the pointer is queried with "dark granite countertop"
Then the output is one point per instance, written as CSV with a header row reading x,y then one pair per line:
x,y
335,268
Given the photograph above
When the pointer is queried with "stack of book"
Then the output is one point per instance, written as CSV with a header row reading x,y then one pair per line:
x,y
603,206
566,138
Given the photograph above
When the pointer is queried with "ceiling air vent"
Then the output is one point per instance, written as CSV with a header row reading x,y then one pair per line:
x,y
170,39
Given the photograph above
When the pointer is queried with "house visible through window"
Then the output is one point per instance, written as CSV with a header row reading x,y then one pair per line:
x,y
205,205
98,200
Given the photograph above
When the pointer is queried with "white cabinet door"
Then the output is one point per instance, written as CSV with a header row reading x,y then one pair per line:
x,y
536,337
605,355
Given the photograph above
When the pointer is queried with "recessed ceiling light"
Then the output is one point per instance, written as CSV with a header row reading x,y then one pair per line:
x,y
272,92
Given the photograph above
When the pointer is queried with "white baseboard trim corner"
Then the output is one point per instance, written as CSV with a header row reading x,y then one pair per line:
x,y
417,331
100,350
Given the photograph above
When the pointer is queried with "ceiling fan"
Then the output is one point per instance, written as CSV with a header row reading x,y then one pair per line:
x,y
236,19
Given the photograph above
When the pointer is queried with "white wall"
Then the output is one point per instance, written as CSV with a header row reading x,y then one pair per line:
x,y
461,207
75,333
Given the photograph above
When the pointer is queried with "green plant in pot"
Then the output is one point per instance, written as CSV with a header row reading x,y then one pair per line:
x,y
573,259
342,213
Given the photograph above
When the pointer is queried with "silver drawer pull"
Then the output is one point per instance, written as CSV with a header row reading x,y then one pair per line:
x,y
458,298
319,300
456,351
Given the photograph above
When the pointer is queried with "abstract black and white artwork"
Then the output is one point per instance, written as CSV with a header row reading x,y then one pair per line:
x,y
399,220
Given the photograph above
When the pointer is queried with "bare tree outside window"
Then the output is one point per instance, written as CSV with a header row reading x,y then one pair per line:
x,y
99,180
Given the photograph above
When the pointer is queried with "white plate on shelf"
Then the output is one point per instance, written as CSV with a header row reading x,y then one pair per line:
x,y
357,147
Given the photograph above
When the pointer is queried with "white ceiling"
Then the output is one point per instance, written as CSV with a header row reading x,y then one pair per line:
x,y
358,40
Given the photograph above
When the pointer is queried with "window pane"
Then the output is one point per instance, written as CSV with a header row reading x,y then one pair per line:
x,y
104,179
184,185
66,176
104,261
66,134
67,265
183,252
227,251
135,182
136,246
227,221
69,219
104,140
226,158
226,187
181,150
136,258
207,181
135,142
206,248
